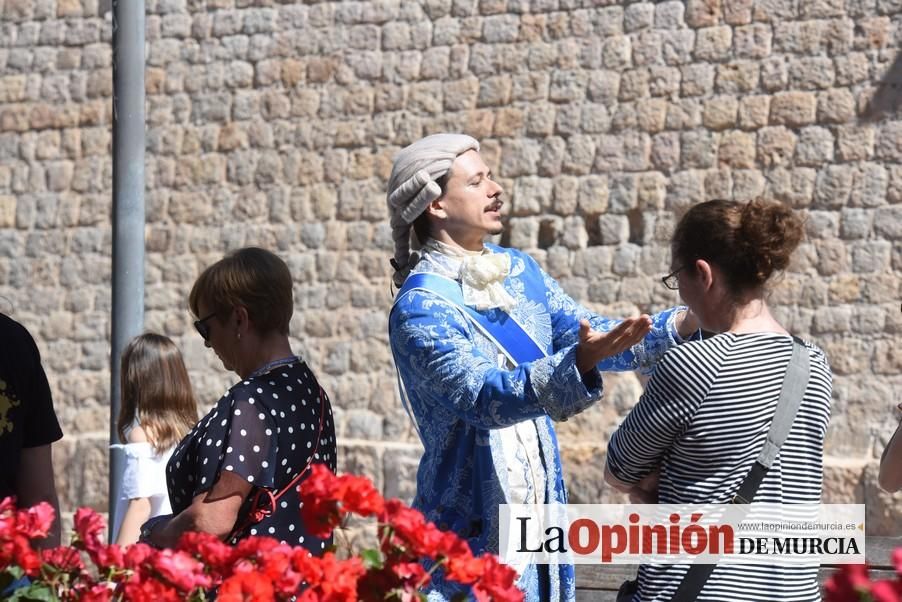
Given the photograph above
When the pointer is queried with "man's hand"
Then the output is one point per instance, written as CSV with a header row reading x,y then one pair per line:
x,y
595,346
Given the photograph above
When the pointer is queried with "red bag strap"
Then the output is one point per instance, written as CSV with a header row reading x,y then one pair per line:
x,y
263,504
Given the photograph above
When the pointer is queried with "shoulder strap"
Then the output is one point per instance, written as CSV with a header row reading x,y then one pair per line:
x,y
505,332
794,384
264,501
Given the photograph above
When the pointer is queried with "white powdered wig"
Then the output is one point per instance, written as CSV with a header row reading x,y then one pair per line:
x,y
413,185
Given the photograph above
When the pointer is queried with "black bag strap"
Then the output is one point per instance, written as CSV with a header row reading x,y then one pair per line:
x,y
263,503
794,384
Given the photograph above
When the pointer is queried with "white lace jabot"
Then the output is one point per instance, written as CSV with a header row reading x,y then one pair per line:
x,y
481,275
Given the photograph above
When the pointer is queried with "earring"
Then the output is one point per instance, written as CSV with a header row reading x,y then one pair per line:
x,y
239,336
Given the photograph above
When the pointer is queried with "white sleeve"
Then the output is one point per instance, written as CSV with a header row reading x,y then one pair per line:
x,y
145,472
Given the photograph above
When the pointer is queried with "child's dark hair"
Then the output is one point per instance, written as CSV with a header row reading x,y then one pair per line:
x,y
748,241
156,391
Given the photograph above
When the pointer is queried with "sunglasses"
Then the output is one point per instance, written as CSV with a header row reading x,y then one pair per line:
x,y
202,328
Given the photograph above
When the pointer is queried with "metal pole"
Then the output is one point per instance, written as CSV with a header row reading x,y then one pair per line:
x,y
128,207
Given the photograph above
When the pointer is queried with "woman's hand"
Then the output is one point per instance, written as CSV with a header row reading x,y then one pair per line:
x,y
595,346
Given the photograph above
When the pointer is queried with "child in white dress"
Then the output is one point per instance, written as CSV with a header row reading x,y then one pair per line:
x,y
158,409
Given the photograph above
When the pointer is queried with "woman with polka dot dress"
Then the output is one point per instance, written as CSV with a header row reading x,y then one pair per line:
x,y
267,427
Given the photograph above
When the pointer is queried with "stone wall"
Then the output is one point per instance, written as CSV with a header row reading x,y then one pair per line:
x,y
274,123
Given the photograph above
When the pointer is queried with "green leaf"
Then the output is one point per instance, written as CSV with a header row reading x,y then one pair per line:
x,y
6,578
36,592
372,559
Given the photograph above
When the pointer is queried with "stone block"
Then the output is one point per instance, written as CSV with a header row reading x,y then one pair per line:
x,y
811,73
833,186
855,142
494,91
718,184
815,146
720,112
889,142
776,146
752,41
888,222
793,109
836,105
870,256
663,81
622,193
677,45
669,15
748,184
753,112
774,74
856,223
832,259
603,87
519,157
713,44
793,186
703,13
566,86
647,49
616,53
851,69
698,79
869,186
737,150
665,151
400,470
698,149
686,188
638,16
566,194
500,28
593,195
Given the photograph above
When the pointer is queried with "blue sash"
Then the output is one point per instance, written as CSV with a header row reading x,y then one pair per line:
x,y
505,332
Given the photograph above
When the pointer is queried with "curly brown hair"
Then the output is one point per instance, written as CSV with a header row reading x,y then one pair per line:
x,y
749,241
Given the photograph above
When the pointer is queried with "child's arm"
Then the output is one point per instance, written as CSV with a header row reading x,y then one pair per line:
x,y
138,509
136,514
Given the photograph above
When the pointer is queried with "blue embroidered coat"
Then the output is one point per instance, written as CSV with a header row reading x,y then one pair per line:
x,y
463,402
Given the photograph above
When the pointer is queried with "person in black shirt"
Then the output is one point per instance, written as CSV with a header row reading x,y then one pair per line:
x,y
28,425
265,430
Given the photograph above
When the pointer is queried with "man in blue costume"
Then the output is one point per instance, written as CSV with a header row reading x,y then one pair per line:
x,y
490,350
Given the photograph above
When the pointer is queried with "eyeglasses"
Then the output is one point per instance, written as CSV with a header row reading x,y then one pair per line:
x,y
202,328
670,280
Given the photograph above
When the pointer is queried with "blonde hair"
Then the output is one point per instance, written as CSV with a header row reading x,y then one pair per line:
x,y
250,277
156,390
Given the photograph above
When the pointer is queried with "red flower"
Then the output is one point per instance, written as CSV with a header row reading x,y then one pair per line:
x,y
151,590
97,593
89,527
497,582
847,583
215,554
887,591
249,585
181,570
35,522
64,559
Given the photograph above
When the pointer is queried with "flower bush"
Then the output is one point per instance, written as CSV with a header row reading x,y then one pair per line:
x,y
258,568
853,584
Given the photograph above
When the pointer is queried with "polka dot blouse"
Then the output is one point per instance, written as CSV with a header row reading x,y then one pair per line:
x,y
263,430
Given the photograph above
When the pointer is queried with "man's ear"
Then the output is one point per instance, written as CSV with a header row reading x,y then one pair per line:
x,y
436,209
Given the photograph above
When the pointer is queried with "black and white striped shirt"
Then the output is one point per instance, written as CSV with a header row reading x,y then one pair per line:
x,y
702,421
